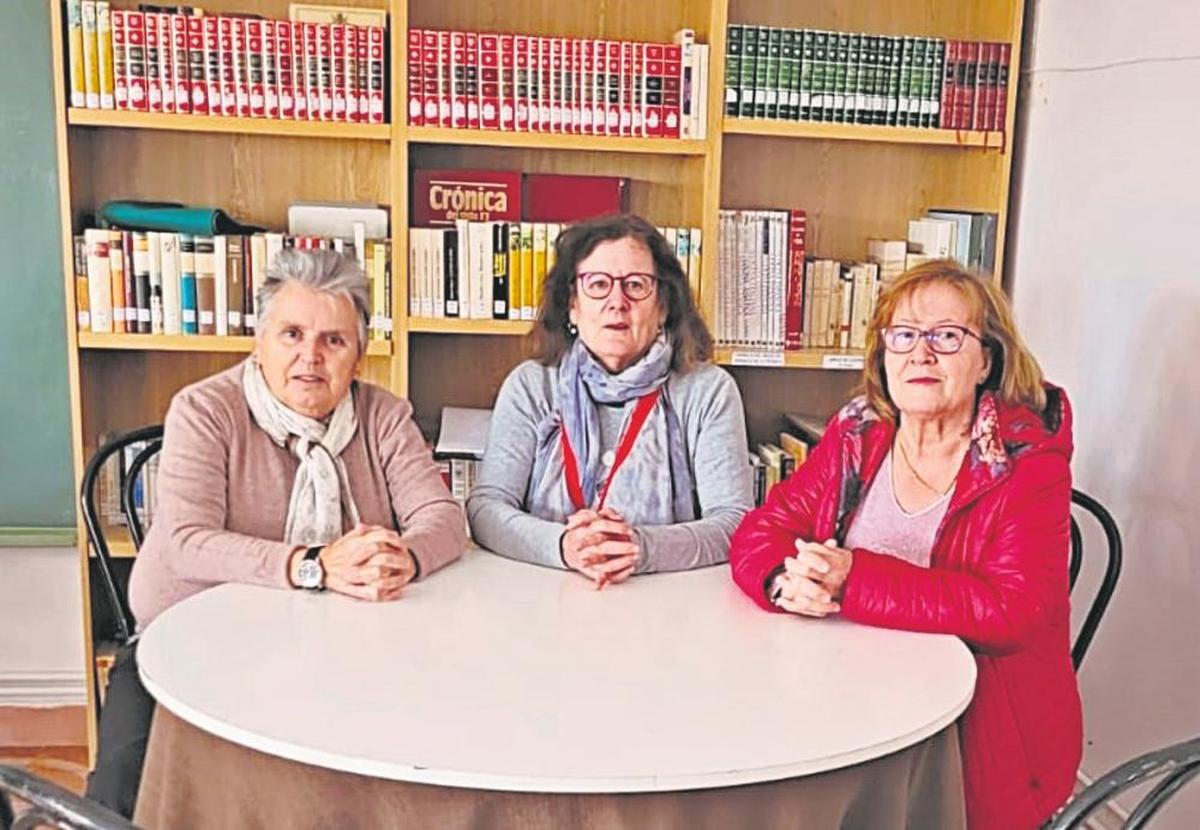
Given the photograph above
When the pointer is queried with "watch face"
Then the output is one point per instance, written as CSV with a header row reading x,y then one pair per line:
x,y
311,574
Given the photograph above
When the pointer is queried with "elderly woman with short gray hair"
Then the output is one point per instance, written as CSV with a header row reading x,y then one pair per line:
x,y
282,471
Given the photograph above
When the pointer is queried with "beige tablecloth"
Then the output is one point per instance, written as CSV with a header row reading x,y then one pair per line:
x,y
195,780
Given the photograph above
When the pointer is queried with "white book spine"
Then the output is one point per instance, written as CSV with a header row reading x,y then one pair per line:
x,y
168,256
221,283
154,260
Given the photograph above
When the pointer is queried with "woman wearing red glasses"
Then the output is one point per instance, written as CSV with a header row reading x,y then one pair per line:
x,y
939,501
621,448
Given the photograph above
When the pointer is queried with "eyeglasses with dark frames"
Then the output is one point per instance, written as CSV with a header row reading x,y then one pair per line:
x,y
598,285
947,339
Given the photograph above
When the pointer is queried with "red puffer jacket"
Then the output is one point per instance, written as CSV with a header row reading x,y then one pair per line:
x,y
997,579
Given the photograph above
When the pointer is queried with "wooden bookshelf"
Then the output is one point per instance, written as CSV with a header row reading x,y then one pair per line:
x,y
441,325
191,343
854,181
77,117
863,132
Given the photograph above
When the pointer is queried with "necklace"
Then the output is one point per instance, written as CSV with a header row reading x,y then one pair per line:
x,y
916,475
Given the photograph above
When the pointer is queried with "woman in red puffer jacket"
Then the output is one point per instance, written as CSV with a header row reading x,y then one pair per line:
x,y
939,501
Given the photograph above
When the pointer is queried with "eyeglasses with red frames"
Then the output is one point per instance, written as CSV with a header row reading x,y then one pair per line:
x,y
947,339
598,285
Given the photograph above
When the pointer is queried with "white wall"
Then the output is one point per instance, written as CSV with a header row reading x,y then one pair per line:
x,y
41,628
1107,292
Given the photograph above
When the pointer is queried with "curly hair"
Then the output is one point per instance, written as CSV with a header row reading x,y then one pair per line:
x,y
1015,375
689,336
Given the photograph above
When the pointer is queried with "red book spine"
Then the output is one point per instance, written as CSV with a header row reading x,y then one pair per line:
x,y
311,71
252,60
1002,86
504,46
377,77
299,72
546,90
166,67
573,68
558,102
135,60
489,82
212,64
362,69
471,78
284,59
120,77
615,88
946,106
228,70
672,93
350,76
445,80
325,64
270,68
993,86
652,90
793,318
337,71
584,79
241,70
974,105
983,97
627,78
154,96
599,87
964,89
181,62
197,69
458,80
521,83
429,78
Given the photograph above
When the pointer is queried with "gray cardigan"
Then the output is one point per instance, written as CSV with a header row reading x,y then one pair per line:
x,y
714,429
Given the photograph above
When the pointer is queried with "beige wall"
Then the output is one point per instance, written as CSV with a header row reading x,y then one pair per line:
x,y
1107,290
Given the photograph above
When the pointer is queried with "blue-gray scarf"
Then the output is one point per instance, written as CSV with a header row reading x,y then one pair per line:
x,y
654,485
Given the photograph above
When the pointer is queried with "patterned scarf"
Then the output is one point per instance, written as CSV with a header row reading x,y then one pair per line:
x,y
321,491
654,485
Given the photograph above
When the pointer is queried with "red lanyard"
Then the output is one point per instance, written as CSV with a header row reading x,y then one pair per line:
x,y
571,465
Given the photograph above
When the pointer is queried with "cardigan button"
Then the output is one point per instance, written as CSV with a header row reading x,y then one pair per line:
x,y
608,458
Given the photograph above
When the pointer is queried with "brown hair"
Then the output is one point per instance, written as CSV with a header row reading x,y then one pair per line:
x,y
1015,376
690,339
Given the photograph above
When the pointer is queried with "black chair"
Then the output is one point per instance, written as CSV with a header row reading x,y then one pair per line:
x,y
123,620
50,805
1179,764
1112,570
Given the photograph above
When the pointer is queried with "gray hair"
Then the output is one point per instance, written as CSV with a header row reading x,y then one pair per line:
x,y
325,271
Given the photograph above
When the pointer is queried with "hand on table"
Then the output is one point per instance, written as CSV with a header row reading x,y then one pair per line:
x,y
813,579
369,562
600,545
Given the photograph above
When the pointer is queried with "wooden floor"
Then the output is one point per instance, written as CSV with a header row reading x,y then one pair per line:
x,y
50,742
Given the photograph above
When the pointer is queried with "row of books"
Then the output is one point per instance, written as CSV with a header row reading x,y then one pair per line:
x,y
858,78
773,462
577,86
497,270
112,480
149,282
773,296
243,66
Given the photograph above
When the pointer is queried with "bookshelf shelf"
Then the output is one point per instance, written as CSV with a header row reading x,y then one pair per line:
x,y
190,343
862,132
77,117
438,325
552,141
836,359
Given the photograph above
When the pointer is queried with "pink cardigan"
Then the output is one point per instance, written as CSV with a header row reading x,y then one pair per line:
x,y
223,489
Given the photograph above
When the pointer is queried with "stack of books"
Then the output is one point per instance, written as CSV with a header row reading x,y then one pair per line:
x,y
859,78
233,65
576,86
150,282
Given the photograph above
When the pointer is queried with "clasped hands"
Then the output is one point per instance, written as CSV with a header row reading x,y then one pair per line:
x,y
601,545
812,581
370,562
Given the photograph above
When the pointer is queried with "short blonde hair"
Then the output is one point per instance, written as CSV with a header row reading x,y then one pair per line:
x,y
1015,376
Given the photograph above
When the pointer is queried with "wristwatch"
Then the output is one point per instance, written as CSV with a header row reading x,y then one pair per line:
x,y
311,574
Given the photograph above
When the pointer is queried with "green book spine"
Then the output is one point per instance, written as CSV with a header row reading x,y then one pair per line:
x,y
794,77
749,61
787,47
895,58
841,67
774,70
733,68
924,77
806,41
762,68
938,62
820,72
907,48
876,101
855,99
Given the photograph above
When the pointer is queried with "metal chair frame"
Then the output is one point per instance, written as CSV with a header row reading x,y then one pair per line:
x,y
50,805
1112,570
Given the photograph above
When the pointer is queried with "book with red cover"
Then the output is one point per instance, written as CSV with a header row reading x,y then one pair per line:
x,y
672,86
120,76
181,73
270,68
471,78
949,79
158,63
256,69
489,82
521,83
430,81
507,84
337,72
376,76
416,78
440,196
1001,122
550,197
197,72
286,69
135,61
228,68
793,314
241,69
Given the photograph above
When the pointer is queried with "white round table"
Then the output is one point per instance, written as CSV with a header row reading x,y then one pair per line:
x,y
500,675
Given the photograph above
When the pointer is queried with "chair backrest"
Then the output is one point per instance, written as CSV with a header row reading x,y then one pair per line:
x,y
50,805
1112,570
91,514
1178,764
